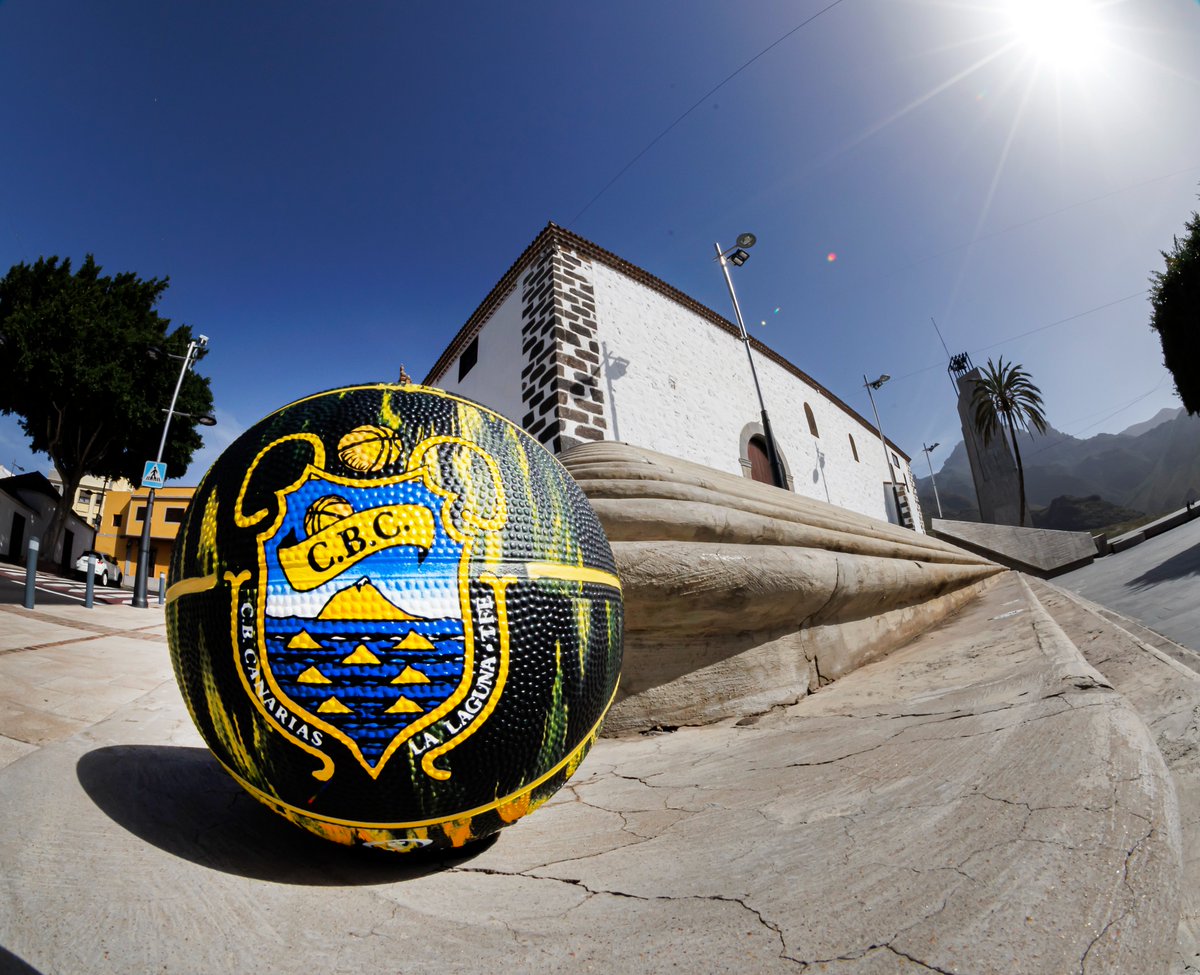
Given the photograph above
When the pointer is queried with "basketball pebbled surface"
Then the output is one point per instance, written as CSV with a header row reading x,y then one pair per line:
x,y
394,617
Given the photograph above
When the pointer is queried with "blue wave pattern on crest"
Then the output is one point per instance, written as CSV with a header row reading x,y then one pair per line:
x,y
366,689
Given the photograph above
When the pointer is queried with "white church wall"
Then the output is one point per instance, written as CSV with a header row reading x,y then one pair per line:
x,y
583,349
495,379
680,385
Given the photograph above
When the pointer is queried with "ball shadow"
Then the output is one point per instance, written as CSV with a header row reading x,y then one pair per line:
x,y
10,964
183,802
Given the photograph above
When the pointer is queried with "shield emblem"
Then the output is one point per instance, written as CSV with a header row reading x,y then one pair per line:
x,y
363,626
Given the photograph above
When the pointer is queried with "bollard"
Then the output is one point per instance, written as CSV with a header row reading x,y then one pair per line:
x,y
162,588
91,582
31,571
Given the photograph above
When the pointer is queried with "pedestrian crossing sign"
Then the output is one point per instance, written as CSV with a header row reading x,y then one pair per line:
x,y
154,474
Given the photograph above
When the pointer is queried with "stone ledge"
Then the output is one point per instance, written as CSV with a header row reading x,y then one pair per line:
x,y
740,597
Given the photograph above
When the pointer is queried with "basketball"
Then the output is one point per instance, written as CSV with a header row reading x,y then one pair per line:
x,y
394,617
369,448
326,511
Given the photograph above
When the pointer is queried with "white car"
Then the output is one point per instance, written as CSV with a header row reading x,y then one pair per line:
x,y
106,569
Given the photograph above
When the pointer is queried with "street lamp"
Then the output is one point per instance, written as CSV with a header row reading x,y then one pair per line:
x,y
887,457
933,446
738,256
143,566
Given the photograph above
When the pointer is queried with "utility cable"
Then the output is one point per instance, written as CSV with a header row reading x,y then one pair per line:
x,y
712,91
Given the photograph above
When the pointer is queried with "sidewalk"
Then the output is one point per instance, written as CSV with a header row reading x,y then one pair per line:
x,y
983,800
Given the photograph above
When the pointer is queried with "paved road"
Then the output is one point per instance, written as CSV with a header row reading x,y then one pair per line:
x,y
53,590
1156,583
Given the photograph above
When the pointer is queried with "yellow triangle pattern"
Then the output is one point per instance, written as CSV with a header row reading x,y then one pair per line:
x,y
313,676
414,641
333,706
410,675
302,641
361,655
405,706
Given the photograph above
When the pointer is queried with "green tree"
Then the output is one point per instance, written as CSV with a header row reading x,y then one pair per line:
x,y
1175,297
1005,398
85,363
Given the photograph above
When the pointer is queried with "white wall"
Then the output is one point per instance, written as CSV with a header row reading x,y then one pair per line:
x,y
687,391
495,381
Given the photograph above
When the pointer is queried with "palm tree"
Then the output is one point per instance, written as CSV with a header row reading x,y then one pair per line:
x,y
1005,397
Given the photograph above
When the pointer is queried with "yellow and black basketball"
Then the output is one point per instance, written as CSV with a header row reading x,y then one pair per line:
x,y
394,617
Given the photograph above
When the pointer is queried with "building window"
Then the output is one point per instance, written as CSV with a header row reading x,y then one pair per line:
x,y
895,461
853,447
85,497
466,362
139,512
174,516
812,420
116,520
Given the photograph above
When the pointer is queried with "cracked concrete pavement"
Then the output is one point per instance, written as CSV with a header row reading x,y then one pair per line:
x,y
983,800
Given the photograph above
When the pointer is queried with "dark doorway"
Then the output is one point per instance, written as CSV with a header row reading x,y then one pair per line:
x,y
68,546
17,544
760,465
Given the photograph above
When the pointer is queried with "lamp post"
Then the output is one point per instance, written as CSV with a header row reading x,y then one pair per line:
x,y
738,256
143,566
887,457
933,446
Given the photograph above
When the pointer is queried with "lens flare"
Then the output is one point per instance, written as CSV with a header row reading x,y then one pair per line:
x,y
831,257
1064,34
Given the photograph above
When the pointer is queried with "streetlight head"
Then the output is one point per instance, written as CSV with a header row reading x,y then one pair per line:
x,y
208,420
738,257
880,381
933,446
746,240
202,341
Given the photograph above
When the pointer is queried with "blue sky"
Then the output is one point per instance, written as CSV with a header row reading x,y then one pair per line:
x,y
332,188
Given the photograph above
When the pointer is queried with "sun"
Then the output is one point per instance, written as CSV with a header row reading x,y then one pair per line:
x,y
1066,35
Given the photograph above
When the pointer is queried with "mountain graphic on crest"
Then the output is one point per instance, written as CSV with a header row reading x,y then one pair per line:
x,y
362,601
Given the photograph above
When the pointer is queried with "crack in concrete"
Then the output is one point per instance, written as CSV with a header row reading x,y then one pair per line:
x,y
594,892
917,961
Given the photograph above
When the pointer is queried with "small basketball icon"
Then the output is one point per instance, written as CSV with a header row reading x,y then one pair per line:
x,y
369,448
326,511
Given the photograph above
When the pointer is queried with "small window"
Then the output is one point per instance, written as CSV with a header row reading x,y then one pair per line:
x,y
116,520
812,420
174,516
895,461
853,447
85,497
139,512
466,362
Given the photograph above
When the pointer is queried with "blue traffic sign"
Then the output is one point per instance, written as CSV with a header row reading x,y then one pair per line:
x,y
154,474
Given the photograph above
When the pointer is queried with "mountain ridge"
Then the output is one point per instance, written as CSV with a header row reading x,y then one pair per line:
x,y
1152,470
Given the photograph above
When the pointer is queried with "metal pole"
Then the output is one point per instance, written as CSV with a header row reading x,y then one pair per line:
x,y
887,459
772,453
143,566
89,589
933,480
31,558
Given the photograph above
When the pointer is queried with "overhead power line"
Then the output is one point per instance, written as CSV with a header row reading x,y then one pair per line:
x,y
700,101
1033,330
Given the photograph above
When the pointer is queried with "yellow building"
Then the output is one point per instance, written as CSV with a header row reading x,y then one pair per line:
x,y
119,533
89,496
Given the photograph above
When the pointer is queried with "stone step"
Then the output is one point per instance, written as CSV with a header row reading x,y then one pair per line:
x,y
1159,678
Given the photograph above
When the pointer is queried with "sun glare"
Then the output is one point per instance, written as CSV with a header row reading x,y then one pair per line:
x,y
1063,34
